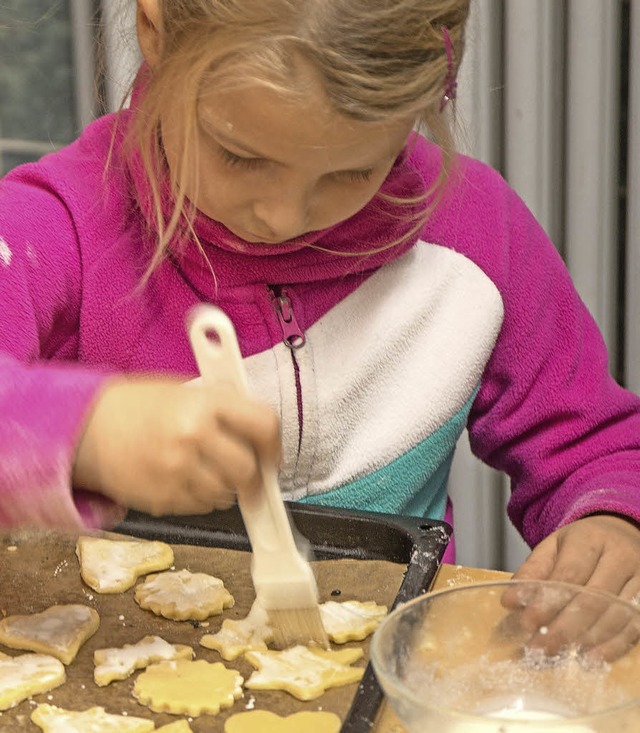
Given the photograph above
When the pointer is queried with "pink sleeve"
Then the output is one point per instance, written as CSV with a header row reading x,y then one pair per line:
x,y
548,412
44,396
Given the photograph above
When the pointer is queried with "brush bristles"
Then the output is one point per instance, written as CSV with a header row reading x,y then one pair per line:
x,y
292,626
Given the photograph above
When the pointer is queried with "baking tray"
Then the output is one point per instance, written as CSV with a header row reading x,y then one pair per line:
x,y
333,534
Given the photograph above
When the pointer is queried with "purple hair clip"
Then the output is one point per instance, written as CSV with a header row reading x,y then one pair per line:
x,y
450,81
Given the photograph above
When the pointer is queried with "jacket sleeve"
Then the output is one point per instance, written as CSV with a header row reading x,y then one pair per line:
x,y
548,412
45,396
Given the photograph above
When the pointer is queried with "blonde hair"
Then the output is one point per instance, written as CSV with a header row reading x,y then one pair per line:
x,y
376,59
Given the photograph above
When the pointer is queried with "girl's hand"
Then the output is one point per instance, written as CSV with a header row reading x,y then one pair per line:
x,y
165,447
600,552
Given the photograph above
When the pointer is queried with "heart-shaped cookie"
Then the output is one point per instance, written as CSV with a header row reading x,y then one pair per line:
x,y
26,675
113,566
263,721
59,630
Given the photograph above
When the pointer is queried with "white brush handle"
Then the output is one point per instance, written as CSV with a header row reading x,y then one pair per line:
x,y
215,346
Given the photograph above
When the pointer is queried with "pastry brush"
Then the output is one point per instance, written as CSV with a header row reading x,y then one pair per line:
x,y
284,582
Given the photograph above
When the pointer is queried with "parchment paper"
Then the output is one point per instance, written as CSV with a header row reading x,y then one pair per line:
x,y
44,570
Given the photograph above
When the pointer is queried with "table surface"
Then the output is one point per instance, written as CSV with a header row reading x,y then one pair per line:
x,y
449,576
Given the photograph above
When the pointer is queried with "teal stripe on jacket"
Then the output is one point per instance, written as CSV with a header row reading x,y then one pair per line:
x,y
414,484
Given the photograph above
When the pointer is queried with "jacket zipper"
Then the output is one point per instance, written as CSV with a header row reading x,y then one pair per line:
x,y
292,334
294,338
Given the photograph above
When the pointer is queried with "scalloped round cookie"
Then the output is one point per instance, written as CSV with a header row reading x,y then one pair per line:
x,y
263,721
184,687
183,596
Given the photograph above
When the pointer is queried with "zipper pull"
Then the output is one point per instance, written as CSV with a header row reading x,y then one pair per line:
x,y
293,335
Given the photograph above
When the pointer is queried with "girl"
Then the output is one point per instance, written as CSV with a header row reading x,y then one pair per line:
x,y
386,294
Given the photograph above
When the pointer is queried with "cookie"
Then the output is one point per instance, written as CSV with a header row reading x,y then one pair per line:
x,y
184,687
251,633
120,663
351,620
52,719
180,726
59,630
113,566
26,675
183,595
262,721
304,673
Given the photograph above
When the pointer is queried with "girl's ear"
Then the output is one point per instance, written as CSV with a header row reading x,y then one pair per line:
x,y
148,24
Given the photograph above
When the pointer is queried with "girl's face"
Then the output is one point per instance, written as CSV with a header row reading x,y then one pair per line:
x,y
271,168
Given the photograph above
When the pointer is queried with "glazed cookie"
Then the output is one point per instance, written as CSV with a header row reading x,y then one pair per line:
x,y
113,566
184,687
53,719
59,631
262,721
351,620
120,663
183,595
303,672
251,633
26,675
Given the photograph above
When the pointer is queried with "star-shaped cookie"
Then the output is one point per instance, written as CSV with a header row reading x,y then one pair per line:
x,y
351,620
303,672
251,633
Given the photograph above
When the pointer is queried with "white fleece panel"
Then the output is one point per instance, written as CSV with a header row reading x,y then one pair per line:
x,y
383,369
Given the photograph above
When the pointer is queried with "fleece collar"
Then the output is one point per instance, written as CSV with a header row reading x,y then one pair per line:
x,y
351,244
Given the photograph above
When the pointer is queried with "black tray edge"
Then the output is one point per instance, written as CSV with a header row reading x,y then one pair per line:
x,y
419,543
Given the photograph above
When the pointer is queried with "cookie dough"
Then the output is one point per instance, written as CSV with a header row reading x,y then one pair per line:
x,y
113,566
262,721
120,663
183,595
59,630
303,672
52,719
251,633
351,620
184,687
26,675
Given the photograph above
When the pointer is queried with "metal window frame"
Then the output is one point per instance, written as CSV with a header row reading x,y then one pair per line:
x,y
83,16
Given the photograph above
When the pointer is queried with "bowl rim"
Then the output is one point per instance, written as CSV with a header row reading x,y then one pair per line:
x,y
463,716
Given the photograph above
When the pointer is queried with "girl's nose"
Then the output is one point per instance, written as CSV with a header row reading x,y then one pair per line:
x,y
284,215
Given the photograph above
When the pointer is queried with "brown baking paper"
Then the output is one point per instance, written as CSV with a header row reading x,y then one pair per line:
x,y
43,570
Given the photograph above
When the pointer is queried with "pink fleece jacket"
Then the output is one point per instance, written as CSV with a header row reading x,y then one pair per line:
x,y
472,322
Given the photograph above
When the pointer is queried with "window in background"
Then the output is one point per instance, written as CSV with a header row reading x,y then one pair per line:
x,y
47,73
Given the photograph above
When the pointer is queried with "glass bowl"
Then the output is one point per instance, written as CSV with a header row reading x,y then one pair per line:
x,y
512,657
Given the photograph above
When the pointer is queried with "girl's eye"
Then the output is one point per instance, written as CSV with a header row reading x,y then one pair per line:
x,y
237,161
355,176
